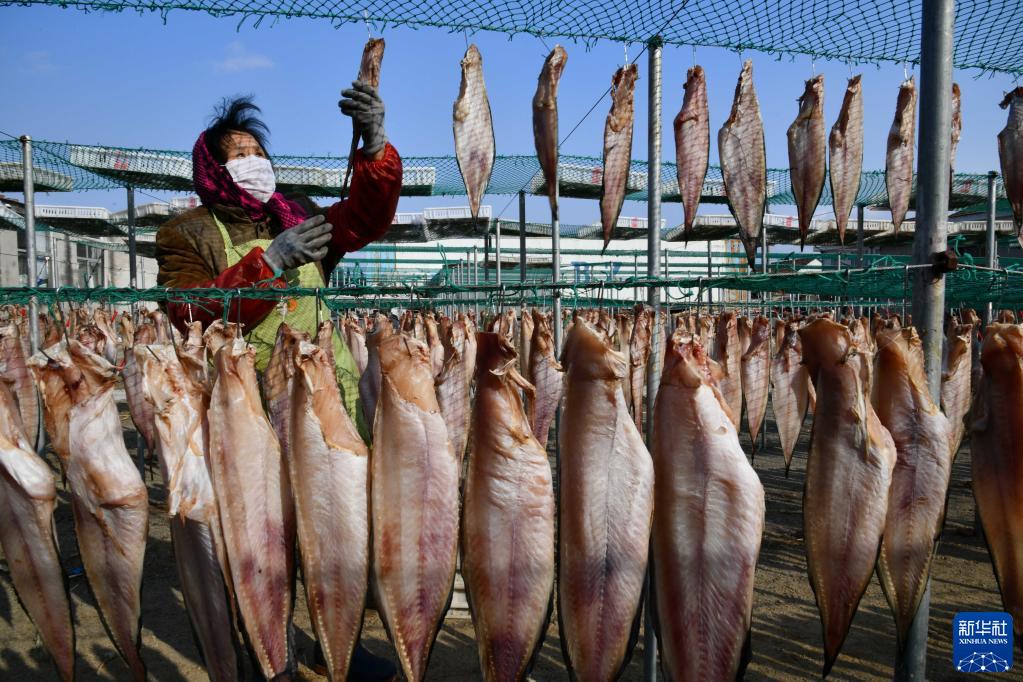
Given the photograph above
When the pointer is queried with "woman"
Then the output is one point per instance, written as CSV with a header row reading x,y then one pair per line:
x,y
247,234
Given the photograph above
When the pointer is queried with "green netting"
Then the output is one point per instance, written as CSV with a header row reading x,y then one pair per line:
x,y
970,285
988,34
64,166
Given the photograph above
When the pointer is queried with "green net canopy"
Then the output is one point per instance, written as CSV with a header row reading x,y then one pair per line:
x,y
988,34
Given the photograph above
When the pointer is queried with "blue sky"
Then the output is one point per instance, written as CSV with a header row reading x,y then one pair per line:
x,y
133,80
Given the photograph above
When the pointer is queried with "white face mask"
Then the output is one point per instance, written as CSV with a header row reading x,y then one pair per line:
x,y
255,175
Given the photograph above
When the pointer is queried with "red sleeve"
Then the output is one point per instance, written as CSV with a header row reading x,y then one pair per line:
x,y
251,270
367,213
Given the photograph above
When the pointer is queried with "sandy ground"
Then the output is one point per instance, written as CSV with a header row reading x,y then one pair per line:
x,y
786,630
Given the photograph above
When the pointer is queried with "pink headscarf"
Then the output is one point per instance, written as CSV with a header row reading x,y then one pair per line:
x,y
214,185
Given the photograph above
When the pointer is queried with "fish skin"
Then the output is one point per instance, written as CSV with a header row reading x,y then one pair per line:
x,y
639,354
453,390
755,369
526,326
48,371
369,382
743,159
433,342
246,467
996,444
956,374
507,520
790,391
355,339
28,497
545,122
13,366
372,58
108,500
808,153
617,148
1010,154
848,476
692,145
957,130
547,377
916,500
140,410
471,346
605,510
898,170
179,405
475,148
329,466
846,147
728,353
414,543
708,523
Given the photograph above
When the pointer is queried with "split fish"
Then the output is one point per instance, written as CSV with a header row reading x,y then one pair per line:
x,y
547,377
692,144
139,408
13,366
846,146
919,487
414,542
1010,153
617,149
639,354
453,390
957,130
474,130
545,122
329,466
744,162
372,59
708,523
28,497
744,327
728,354
507,520
48,368
246,469
996,446
790,391
108,500
956,371
898,171
808,153
848,476
755,369
179,406
355,338
369,382
436,347
606,497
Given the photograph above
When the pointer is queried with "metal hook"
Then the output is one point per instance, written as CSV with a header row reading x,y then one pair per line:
x,y
365,18
238,331
318,312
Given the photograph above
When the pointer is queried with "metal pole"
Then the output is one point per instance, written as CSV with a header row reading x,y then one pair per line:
x,y
653,263
132,265
859,235
30,238
929,240
710,273
555,278
497,253
476,281
522,236
991,240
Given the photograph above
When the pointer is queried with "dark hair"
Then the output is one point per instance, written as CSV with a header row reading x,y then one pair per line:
x,y
235,115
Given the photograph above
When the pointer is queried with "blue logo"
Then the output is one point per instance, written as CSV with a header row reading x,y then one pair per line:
x,y
982,642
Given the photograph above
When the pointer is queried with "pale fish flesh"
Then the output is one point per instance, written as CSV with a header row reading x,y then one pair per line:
x,y
692,145
957,129
617,149
139,408
605,510
329,465
507,520
956,375
898,170
846,146
545,122
848,476
369,382
728,354
708,522
790,391
414,542
453,389
639,354
743,159
355,339
475,148
547,377
916,500
13,366
808,153
755,369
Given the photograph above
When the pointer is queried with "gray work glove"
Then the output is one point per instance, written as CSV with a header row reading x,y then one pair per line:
x,y
305,243
364,105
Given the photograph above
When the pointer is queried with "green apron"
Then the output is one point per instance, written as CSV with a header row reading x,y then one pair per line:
x,y
301,316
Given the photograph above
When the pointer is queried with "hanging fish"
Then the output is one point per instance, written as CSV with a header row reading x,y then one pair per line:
x,y
1010,152
898,171
545,122
369,73
617,149
807,153
692,145
547,377
790,391
453,388
743,158
957,130
475,148
755,368
956,370
727,352
14,367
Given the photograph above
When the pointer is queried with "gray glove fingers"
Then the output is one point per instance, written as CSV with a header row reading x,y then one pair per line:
x,y
310,223
319,254
362,86
317,242
359,96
